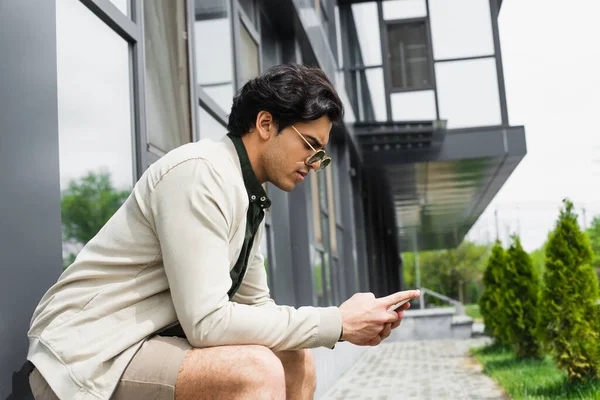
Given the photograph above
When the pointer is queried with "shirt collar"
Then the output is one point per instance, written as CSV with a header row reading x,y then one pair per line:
x,y
256,192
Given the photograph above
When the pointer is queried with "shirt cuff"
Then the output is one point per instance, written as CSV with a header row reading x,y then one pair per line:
x,y
330,326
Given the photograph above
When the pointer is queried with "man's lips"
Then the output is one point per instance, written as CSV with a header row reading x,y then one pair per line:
x,y
301,175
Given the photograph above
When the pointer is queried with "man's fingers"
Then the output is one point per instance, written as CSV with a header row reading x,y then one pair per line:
x,y
387,330
375,341
392,299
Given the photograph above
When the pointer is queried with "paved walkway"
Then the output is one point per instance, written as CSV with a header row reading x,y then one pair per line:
x,y
415,370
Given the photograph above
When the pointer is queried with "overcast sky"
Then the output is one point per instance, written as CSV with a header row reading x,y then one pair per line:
x,y
551,57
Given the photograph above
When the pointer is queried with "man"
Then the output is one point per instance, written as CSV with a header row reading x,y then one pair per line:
x,y
169,300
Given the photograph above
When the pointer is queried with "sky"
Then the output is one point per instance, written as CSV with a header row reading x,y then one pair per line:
x,y
551,59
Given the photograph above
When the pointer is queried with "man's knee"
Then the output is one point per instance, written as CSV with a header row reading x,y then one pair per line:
x,y
261,368
300,363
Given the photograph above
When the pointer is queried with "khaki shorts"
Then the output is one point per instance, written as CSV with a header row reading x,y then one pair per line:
x,y
151,374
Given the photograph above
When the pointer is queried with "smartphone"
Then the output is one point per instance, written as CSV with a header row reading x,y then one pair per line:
x,y
395,306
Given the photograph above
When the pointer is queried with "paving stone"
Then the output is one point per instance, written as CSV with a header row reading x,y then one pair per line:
x,y
427,370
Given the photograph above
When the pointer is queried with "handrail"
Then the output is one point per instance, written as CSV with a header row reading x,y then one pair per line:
x,y
460,308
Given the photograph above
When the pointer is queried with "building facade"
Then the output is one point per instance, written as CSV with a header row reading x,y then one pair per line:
x,y
94,91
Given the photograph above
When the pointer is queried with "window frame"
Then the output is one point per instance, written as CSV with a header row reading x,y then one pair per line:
x,y
387,24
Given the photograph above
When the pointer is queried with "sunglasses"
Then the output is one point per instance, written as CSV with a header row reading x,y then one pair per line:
x,y
320,156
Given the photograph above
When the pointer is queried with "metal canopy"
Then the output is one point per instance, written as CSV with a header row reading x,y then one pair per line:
x,y
439,192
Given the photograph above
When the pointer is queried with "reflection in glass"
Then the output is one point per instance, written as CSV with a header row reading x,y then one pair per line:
x,y
209,126
122,5
409,56
249,65
331,211
270,45
461,28
325,257
167,84
317,275
366,20
404,9
316,208
213,51
413,106
468,93
94,120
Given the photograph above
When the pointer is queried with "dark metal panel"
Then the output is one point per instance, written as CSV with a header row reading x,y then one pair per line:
x,y
282,225
458,145
138,98
30,226
300,245
191,19
383,33
494,10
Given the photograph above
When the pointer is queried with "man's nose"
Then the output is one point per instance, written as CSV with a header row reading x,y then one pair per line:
x,y
315,165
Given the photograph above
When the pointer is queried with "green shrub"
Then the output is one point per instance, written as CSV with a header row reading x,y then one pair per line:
x,y
490,302
521,298
569,311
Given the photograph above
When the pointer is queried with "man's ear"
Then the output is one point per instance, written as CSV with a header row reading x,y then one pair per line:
x,y
265,124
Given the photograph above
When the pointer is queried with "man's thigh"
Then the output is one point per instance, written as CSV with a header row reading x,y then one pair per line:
x,y
152,373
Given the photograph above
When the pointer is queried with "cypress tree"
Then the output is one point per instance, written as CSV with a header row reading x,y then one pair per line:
x,y
521,298
569,310
490,303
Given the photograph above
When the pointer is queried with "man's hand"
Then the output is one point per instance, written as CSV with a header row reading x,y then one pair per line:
x,y
365,319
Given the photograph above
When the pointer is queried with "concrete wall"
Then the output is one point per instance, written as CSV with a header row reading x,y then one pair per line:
x,y
331,364
30,231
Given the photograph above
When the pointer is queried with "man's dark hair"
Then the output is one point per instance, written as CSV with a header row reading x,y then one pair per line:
x,y
291,93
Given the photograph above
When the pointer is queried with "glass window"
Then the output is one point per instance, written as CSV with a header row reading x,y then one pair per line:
x,y
209,126
366,20
94,121
335,172
122,5
403,9
376,92
468,92
461,28
316,209
168,103
413,106
266,251
213,51
368,91
249,64
409,56
249,7
331,211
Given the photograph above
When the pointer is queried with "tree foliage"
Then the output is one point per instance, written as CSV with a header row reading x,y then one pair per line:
x,y
593,233
86,205
569,311
520,301
453,272
491,301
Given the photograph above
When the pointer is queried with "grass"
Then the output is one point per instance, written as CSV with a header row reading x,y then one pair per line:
x,y
530,379
472,311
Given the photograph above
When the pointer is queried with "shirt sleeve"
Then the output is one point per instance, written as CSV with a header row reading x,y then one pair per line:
x,y
195,214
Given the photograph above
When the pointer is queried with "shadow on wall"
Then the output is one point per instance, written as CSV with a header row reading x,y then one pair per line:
x,y
20,384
